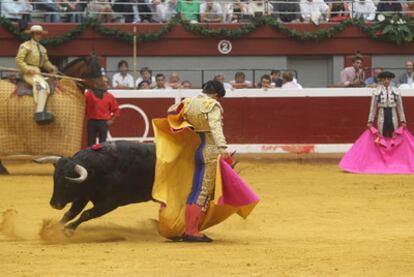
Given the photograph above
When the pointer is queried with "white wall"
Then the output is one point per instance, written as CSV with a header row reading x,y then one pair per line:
x,y
312,71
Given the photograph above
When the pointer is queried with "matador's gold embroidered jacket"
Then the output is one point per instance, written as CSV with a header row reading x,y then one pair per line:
x,y
205,114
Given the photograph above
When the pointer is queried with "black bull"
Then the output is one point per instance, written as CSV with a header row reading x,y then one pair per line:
x,y
118,174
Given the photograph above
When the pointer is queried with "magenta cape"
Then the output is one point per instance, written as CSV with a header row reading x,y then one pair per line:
x,y
374,154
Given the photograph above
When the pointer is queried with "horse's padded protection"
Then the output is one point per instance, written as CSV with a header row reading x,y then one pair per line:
x,y
20,135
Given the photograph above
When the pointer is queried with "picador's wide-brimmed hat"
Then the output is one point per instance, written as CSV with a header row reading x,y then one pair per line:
x,y
36,29
386,74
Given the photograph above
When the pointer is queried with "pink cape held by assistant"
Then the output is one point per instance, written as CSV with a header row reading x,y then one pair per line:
x,y
374,154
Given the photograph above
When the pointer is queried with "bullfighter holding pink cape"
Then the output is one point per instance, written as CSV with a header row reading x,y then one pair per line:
x,y
388,149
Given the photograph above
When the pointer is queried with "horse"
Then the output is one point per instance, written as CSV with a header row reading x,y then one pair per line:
x,y
21,137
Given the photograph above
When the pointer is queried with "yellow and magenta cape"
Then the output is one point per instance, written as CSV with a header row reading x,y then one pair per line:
x,y
176,145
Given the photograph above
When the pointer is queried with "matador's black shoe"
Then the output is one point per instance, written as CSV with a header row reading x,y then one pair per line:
x,y
43,118
189,238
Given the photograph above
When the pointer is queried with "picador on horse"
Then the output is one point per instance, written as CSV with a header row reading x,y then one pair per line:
x,y
31,58
58,121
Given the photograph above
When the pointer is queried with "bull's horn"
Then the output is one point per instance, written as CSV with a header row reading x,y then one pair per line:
x,y
83,174
47,159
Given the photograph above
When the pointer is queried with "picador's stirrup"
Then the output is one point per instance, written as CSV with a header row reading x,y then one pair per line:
x,y
43,118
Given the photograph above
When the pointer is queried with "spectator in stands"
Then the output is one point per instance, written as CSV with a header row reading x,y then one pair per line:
x,y
211,12
144,85
240,81
389,6
163,10
101,111
51,7
258,8
265,82
363,9
287,10
409,11
128,10
373,81
289,81
101,9
146,75
174,81
160,81
277,82
353,76
122,79
408,76
133,11
186,85
145,11
17,11
338,10
220,78
189,10
313,10
74,8
236,11
172,9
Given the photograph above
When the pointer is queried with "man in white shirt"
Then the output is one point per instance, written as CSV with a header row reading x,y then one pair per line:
x,y
313,10
289,82
408,76
363,9
14,9
240,81
235,11
163,10
122,79
146,75
220,78
174,81
259,8
135,12
160,82
211,12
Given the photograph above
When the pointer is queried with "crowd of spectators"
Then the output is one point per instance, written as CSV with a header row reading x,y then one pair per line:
x,y
354,75
351,76
123,79
201,11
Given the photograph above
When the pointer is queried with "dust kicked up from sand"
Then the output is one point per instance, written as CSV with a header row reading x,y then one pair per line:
x,y
8,225
55,233
13,227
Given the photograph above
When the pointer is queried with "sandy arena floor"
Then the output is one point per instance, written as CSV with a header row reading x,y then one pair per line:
x,y
313,220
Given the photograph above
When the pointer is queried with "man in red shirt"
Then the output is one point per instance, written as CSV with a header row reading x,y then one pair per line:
x,y
101,110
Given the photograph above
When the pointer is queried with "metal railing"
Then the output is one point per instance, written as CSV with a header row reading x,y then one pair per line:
x,y
229,11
